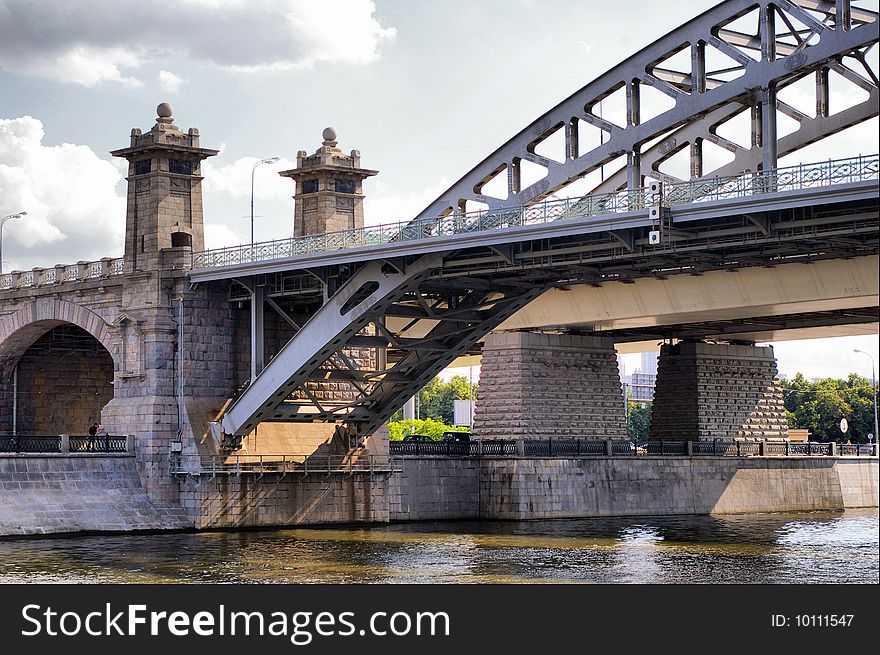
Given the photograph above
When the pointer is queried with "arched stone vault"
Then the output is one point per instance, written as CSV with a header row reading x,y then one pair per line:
x,y
18,331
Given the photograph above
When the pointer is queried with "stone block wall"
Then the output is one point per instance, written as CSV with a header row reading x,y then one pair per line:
x,y
74,493
540,386
245,501
27,316
434,489
540,488
717,391
63,381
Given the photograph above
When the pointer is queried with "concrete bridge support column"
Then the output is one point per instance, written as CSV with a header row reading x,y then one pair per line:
x,y
540,386
717,391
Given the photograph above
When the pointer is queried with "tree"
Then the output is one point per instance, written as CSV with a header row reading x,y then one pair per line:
x,y
428,427
436,400
818,407
639,420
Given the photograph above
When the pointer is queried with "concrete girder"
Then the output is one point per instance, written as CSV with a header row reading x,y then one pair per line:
x,y
778,65
786,289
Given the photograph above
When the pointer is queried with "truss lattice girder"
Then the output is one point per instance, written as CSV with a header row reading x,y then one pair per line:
x,y
811,129
417,366
323,334
834,43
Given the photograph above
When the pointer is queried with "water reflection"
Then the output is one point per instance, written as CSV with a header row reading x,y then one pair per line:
x,y
821,547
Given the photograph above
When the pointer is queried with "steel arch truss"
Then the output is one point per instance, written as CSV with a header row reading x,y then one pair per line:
x,y
741,54
395,305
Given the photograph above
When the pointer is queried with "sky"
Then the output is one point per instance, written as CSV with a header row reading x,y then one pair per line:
x,y
423,90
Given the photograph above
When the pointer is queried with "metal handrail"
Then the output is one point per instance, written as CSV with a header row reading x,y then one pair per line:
x,y
622,448
41,444
790,178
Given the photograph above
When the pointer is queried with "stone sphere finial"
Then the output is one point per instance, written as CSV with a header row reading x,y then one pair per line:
x,y
329,135
164,110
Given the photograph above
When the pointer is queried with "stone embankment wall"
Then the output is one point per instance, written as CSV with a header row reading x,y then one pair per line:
x,y
528,488
79,493
244,501
99,492
434,489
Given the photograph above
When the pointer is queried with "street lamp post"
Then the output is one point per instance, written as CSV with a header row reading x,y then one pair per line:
x,y
254,170
874,387
2,223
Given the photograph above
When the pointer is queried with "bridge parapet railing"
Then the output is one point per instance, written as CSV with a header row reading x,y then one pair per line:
x,y
30,444
625,448
789,178
40,444
103,443
802,176
62,273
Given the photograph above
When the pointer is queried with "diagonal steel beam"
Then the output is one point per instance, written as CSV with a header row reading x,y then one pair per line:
x,y
365,296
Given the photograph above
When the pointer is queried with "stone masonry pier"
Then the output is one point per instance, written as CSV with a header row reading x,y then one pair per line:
x,y
539,386
717,391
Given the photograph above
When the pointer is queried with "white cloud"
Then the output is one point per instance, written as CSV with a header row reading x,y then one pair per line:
x,y
170,82
383,206
74,212
220,236
97,42
832,357
235,179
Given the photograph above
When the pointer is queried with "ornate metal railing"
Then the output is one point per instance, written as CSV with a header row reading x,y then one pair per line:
x,y
62,273
564,448
246,464
623,447
38,444
802,176
103,443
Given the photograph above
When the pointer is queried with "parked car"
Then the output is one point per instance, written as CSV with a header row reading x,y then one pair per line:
x,y
418,438
453,435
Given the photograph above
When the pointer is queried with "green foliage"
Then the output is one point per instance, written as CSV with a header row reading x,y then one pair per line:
x,y
427,427
436,399
819,406
639,420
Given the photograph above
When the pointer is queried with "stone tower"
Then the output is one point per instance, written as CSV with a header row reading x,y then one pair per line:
x,y
329,189
164,191
164,223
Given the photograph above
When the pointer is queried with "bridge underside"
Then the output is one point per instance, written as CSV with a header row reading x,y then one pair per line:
x,y
791,301
385,310
799,260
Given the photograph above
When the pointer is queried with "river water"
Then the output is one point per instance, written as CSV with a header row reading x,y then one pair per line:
x,y
818,547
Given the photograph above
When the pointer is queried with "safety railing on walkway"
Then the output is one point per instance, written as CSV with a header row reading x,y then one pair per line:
x,y
625,448
79,272
246,464
791,178
39,444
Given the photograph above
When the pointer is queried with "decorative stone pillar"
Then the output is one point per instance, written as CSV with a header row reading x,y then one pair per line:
x,y
542,386
717,391
329,189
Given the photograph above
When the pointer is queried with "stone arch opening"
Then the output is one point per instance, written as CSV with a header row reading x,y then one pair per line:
x,y
57,382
